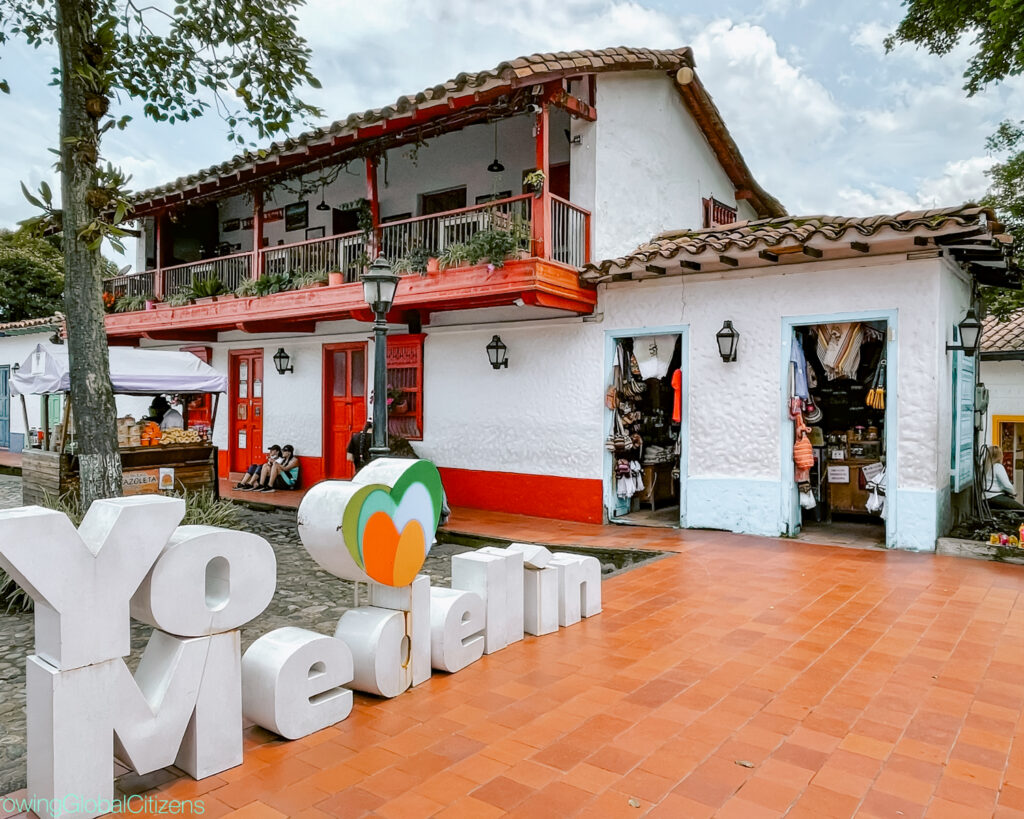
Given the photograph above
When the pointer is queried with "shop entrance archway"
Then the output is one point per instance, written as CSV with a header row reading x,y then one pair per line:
x,y
646,426
854,446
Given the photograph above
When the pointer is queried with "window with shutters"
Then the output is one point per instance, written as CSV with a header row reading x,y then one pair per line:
x,y
405,386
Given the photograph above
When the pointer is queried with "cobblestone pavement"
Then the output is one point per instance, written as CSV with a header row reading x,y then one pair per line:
x,y
306,596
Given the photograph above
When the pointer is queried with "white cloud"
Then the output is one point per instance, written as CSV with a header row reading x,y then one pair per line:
x,y
960,181
870,36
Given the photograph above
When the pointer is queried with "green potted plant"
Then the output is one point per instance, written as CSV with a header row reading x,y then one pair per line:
x,y
534,182
301,281
246,289
179,298
207,289
398,401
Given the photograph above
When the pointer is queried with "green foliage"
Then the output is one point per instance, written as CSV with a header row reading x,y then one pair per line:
x,y
203,509
493,245
270,283
179,298
131,304
995,26
310,279
1006,196
204,288
31,277
415,261
246,288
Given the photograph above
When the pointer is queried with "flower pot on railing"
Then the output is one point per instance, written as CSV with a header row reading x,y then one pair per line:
x,y
433,265
151,304
337,277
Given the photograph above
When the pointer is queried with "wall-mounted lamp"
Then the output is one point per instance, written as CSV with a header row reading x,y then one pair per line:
x,y
728,339
16,367
496,353
970,334
281,359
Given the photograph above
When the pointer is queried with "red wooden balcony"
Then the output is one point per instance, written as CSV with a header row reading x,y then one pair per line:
x,y
550,235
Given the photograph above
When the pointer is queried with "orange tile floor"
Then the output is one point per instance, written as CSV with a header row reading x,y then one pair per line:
x,y
738,677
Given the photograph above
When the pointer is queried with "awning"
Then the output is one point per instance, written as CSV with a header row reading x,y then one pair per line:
x,y
132,372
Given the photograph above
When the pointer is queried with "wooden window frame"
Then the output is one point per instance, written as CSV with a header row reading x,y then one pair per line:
x,y
405,352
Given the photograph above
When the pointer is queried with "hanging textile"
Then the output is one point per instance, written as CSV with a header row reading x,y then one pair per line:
x,y
839,348
654,354
677,399
799,361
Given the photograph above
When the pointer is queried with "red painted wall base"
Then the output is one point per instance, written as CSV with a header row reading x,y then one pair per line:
x,y
542,496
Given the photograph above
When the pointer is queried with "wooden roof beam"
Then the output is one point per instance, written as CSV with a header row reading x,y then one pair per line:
x,y
729,260
860,247
768,256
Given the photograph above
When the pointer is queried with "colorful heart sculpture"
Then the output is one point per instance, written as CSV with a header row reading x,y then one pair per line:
x,y
379,526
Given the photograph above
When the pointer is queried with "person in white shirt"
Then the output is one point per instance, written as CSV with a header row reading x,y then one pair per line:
x,y
165,415
999,491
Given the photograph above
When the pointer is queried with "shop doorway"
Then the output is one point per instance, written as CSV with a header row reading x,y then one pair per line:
x,y
344,404
838,409
1008,435
5,407
644,414
245,429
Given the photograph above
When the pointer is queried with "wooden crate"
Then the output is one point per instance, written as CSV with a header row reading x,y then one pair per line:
x,y
47,473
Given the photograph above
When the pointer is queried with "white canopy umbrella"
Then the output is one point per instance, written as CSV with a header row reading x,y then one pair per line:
x,y
132,372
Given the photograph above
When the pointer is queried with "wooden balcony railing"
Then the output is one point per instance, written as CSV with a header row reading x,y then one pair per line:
x,y
408,240
132,284
432,235
231,270
570,233
345,253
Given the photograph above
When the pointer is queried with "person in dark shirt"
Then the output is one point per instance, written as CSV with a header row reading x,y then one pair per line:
x,y
359,446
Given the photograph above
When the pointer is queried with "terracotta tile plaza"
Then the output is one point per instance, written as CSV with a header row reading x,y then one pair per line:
x,y
734,677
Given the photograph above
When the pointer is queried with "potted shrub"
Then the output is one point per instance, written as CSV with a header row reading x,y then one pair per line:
x,y
301,281
398,401
207,289
246,289
179,298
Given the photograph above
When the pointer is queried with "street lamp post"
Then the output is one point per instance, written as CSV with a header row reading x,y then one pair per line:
x,y
379,286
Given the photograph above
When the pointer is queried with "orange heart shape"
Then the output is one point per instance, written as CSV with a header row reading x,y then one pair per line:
x,y
395,557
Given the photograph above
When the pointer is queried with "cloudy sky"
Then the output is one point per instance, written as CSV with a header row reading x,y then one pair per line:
x,y
827,121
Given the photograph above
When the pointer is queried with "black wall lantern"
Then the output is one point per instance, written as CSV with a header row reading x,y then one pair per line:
x,y
970,334
496,353
281,359
728,339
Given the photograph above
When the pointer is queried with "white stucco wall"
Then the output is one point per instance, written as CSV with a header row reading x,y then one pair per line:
x,y
644,165
450,160
1005,382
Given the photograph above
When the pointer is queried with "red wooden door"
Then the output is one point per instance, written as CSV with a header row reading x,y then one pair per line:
x,y
344,404
246,427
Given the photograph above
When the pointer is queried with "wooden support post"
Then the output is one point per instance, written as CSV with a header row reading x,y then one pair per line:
x,y
257,233
46,422
158,247
372,197
213,413
65,417
24,418
541,221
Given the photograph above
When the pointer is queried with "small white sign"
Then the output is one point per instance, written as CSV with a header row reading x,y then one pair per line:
x,y
166,478
839,474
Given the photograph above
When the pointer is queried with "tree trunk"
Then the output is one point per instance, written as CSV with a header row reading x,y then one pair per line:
x,y
91,391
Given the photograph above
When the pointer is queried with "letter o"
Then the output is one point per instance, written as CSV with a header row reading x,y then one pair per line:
x,y
206,581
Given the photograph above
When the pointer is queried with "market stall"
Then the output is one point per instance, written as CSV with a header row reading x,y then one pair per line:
x,y
152,460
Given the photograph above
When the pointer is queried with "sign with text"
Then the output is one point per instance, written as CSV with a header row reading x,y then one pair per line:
x,y
196,586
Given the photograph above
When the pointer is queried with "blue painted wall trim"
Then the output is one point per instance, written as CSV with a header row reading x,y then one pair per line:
x,y
610,337
790,508
17,442
734,504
